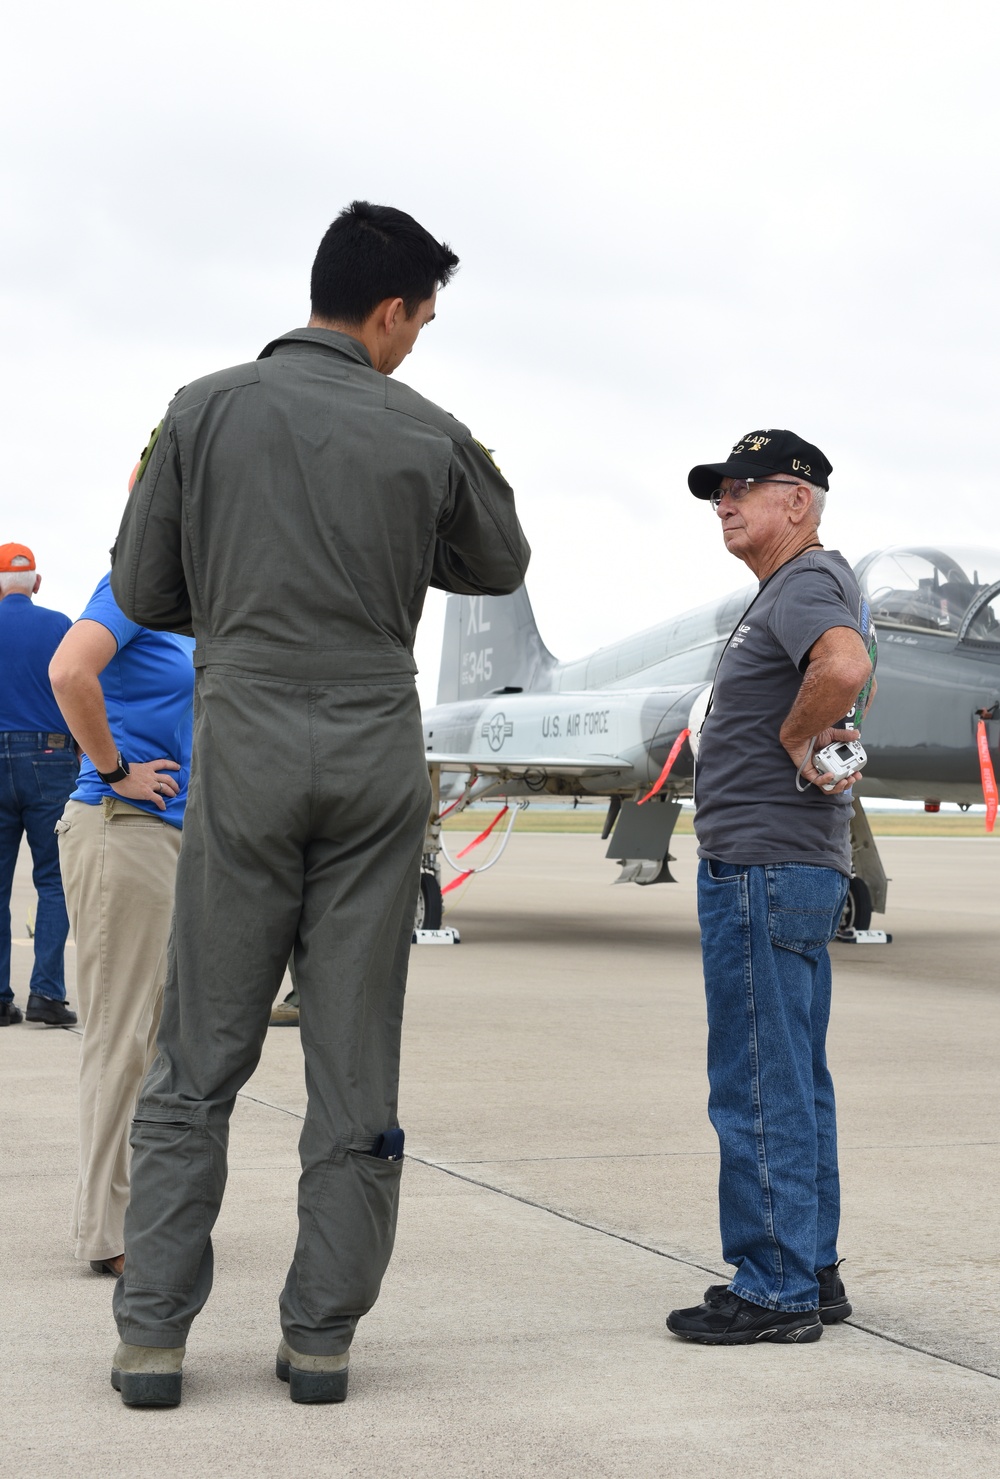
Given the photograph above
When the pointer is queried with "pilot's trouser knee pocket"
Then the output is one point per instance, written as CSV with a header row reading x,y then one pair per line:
x,y
347,1225
178,1179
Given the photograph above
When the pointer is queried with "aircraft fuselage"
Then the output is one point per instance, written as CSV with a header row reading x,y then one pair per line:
x,y
604,724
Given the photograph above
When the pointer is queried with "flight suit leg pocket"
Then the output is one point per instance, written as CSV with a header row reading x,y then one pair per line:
x,y
345,1249
178,1181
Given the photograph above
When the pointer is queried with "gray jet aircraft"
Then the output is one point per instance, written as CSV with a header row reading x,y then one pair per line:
x,y
517,723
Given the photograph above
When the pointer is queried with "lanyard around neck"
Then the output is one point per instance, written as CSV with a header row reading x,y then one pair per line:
x,y
746,613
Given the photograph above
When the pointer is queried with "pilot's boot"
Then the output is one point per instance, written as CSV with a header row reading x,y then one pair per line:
x,y
148,1375
312,1378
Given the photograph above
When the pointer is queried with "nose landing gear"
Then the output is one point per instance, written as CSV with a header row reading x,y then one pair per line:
x,y
857,913
430,908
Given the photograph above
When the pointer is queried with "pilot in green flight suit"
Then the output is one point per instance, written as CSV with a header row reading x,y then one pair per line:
x,y
290,514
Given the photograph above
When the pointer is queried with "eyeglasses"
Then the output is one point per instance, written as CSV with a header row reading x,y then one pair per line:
x,y
740,487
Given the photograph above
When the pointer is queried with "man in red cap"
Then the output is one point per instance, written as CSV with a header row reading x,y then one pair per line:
x,y
37,772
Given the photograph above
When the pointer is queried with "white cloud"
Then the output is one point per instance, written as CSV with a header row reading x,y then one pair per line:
x,y
676,222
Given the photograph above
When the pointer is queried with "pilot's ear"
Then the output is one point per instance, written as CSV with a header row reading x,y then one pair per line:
x,y
392,312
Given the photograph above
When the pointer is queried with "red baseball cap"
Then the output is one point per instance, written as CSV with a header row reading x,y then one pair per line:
x,y
15,557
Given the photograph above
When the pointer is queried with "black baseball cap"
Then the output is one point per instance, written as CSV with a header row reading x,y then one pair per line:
x,y
759,454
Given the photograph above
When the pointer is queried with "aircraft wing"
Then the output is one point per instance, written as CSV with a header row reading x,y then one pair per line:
x,y
518,765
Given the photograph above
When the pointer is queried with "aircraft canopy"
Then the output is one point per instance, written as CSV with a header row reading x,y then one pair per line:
x,y
923,589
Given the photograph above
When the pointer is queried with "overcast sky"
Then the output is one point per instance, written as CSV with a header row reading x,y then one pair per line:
x,y
676,223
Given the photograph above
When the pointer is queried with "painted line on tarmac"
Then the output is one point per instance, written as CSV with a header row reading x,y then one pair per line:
x,y
623,1238
653,1155
687,1262
909,1346
626,1155
266,1104
607,1232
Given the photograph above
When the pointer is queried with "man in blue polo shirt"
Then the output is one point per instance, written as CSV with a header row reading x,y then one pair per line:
x,y
37,772
126,694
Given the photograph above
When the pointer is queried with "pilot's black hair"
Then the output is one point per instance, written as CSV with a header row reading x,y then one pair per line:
x,y
374,252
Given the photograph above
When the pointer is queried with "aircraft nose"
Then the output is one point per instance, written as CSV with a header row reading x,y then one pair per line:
x,y
672,723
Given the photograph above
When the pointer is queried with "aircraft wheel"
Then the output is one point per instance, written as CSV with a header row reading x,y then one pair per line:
x,y
430,907
857,913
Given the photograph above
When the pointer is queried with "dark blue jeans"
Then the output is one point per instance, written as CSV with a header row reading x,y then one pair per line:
x,y
764,933
35,780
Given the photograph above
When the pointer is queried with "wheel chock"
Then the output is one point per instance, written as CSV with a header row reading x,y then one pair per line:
x,y
436,937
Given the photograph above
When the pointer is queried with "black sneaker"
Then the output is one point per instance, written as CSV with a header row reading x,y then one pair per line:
x,y
727,1319
834,1304
9,1014
52,1013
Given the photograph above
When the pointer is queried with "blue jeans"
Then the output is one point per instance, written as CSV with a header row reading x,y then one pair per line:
x,y
764,933
35,780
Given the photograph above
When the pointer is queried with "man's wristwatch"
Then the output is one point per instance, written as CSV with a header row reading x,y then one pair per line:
x,y
121,770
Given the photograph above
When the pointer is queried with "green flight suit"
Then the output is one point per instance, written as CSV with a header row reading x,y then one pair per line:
x,y
291,514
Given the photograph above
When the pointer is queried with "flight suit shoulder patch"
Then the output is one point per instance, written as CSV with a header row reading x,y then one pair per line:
x,y
147,453
487,454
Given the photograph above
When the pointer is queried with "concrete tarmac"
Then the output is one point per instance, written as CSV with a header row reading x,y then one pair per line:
x,y
558,1200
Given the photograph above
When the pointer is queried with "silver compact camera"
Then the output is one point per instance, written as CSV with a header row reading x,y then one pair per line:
x,y
840,760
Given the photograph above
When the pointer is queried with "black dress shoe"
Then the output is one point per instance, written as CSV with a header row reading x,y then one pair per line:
x,y
52,1013
9,1014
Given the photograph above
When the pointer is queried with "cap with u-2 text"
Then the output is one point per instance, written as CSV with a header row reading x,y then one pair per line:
x,y
760,454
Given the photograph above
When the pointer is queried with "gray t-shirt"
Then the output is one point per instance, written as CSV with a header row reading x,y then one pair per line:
x,y
748,807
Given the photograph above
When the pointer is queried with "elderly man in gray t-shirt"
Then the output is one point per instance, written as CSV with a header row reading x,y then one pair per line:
x,y
774,843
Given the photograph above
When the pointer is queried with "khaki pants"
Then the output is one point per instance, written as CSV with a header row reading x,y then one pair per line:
x,y
118,865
